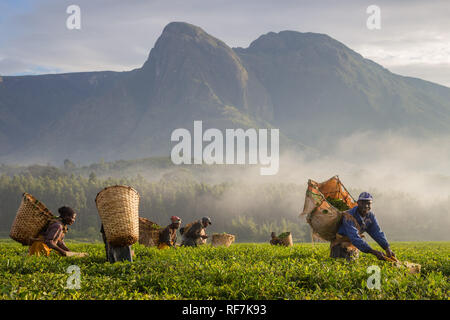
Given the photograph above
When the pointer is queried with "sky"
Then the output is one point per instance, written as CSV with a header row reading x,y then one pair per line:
x,y
413,39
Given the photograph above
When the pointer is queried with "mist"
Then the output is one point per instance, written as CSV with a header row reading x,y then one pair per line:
x,y
409,179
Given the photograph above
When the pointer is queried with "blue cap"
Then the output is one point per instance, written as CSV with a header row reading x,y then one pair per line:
x,y
365,196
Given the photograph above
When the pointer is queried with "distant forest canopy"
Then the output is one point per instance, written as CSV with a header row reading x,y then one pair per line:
x,y
247,209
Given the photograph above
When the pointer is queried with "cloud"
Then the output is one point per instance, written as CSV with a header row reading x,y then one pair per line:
x,y
118,37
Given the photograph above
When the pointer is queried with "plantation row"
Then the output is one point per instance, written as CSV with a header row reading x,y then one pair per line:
x,y
243,271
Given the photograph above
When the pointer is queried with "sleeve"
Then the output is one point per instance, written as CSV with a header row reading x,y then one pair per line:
x,y
53,232
352,233
375,232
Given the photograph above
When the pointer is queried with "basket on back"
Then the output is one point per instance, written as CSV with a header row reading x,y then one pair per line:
x,y
320,214
118,207
286,239
31,218
148,232
222,239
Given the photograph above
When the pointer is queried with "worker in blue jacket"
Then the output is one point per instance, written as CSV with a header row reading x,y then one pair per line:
x,y
354,223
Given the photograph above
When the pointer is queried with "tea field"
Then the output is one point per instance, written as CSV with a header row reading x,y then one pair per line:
x,y
243,271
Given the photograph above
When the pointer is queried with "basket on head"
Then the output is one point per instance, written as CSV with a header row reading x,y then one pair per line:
x,y
149,232
31,217
223,239
286,239
118,207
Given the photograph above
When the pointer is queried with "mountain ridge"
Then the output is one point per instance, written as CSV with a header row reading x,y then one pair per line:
x,y
298,82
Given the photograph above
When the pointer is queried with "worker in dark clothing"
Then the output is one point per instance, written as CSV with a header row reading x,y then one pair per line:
x,y
168,237
193,236
113,253
354,223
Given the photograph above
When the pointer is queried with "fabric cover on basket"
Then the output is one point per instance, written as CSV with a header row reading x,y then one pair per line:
x,y
323,218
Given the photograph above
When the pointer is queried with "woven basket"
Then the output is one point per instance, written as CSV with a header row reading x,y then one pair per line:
x,y
287,241
148,235
222,240
118,207
31,217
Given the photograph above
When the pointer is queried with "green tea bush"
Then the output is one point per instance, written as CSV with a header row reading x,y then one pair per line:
x,y
242,271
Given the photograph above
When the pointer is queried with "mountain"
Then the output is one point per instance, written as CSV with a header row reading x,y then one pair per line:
x,y
308,85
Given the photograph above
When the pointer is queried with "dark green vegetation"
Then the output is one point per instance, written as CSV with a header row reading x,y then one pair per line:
x,y
243,271
293,81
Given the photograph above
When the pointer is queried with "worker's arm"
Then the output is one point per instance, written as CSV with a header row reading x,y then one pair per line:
x,y
62,245
351,232
375,232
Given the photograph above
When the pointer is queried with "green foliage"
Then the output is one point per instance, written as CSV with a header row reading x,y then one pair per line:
x,y
284,235
242,271
338,204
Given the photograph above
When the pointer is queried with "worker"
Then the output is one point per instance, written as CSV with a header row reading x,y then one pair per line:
x,y
168,236
116,253
52,237
354,223
196,233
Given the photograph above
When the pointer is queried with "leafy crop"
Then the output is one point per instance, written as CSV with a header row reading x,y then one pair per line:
x,y
242,271
338,204
284,235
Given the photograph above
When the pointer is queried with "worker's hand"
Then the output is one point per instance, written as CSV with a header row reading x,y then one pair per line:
x,y
390,253
378,254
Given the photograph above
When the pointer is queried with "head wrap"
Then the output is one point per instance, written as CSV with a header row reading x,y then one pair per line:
x,y
175,219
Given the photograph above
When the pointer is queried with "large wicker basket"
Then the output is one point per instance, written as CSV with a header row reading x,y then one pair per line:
x,y
286,240
222,239
118,207
32,216
148,232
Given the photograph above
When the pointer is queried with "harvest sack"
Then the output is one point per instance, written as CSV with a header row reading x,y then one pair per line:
x,y
320,214
118,207
31,218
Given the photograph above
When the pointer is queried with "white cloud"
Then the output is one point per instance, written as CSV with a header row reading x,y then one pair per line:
x,y
118,36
